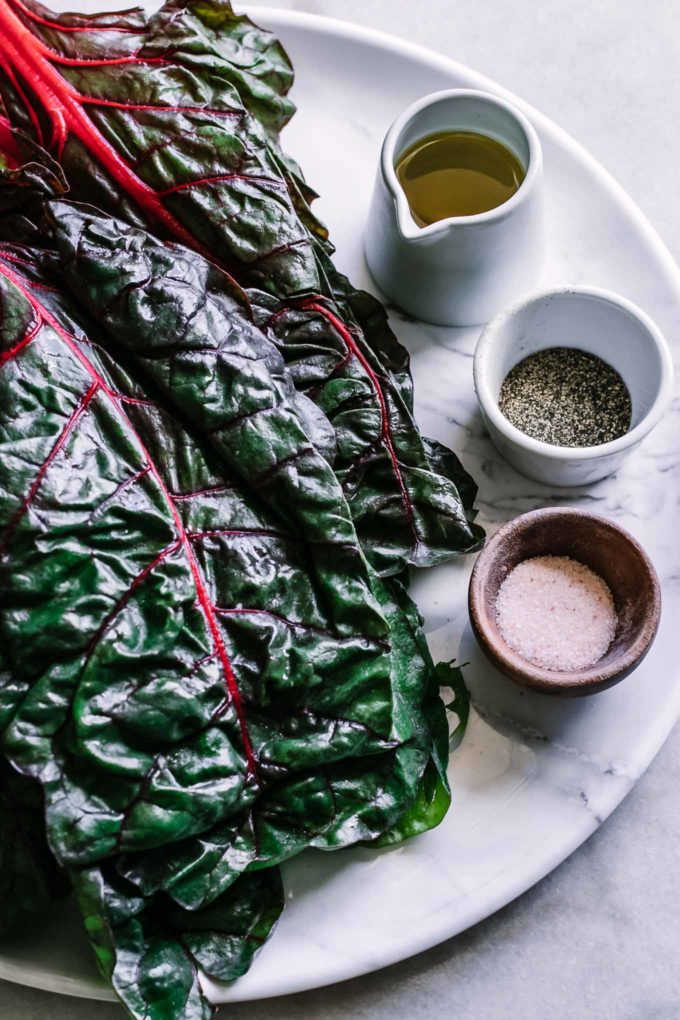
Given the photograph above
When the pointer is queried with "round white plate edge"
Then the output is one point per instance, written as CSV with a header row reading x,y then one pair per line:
x,y
491,898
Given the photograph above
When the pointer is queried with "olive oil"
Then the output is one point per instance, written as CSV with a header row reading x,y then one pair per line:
x,y
457,173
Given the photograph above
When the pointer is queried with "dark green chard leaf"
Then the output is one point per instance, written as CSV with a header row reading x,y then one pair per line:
x,y
338,804
202,670
409,506
152,951
168,122
248,57
141,576
129,282
187,667
450,677
433,797
186,324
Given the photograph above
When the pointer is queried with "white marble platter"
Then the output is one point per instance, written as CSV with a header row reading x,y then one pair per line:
x,y
534,776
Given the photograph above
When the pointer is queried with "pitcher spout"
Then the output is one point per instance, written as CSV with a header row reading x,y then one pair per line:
x,y
408,229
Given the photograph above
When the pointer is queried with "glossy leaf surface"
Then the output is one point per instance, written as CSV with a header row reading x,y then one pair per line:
x,y
170,121
154,589
153,951
128,280
185,668
202,669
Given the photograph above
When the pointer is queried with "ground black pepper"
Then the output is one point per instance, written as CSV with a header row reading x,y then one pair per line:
x,y
566,397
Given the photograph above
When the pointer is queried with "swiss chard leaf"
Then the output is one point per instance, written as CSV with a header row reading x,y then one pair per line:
x,y
192,671
150,589
450,677
129,281
203,671
168,122
340,803
153,951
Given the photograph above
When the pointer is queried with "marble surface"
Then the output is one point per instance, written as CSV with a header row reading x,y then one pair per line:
x,y
597,938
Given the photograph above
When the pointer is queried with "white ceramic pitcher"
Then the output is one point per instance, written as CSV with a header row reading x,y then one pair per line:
x,y
462,270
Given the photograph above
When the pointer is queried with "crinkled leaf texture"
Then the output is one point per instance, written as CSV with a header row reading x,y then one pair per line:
x,y
203,672
173,121
154,951
137,289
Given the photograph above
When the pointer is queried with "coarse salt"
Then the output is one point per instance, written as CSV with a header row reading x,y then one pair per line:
x,y
556,613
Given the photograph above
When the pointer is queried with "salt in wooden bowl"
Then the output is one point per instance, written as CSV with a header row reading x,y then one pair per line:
x,y
609,551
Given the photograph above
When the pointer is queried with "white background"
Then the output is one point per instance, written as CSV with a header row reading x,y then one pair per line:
x,y
599,938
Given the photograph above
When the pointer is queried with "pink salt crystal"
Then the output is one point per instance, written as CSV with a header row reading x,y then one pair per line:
x,y
556,613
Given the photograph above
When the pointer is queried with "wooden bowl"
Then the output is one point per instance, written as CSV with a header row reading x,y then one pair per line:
x,y
599,544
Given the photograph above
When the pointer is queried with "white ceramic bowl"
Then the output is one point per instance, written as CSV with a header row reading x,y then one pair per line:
x,y
591,320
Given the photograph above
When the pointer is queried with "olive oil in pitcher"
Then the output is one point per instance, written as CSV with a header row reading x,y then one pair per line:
x,y
457,173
